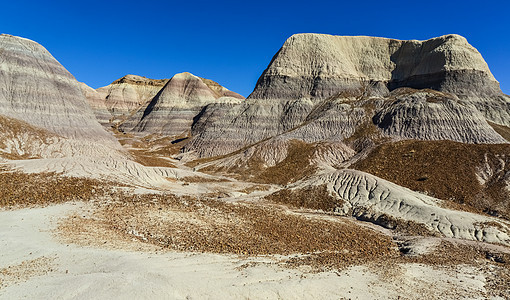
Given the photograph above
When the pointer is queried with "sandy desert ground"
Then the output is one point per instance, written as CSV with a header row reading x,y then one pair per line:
x,y
70,251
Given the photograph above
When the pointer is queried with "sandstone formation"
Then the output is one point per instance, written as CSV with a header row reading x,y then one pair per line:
x,y
126,95
37,89
320,66
430,115
97,103
172,111
370,198
321,87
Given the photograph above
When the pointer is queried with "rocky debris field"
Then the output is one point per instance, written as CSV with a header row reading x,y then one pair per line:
x,y
19,189
208,225
25,270
299,237
470,177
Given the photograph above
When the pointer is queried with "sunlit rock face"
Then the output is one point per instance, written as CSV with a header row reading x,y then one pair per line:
x,y
126,95
97,103
172,111
37,89
432,115
320,66
322,87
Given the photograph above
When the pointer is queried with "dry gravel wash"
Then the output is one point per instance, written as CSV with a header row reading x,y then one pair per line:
x,y
44,266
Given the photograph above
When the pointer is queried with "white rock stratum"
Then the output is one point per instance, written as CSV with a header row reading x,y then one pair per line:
x,y
368,197
37,89
321,87
173,109
126,95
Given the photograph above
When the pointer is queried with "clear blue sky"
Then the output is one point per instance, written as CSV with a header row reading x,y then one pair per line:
x,y
232,42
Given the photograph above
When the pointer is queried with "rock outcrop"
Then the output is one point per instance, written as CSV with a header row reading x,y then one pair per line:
x,y
37,89
98,105
322,88
319,66
431,115
126,95
370,198
20,140
172,111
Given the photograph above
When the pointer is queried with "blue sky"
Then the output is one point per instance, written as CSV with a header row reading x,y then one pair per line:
x,y
232,42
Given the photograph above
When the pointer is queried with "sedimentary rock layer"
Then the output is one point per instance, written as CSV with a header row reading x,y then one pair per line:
x,y
37,89
172,110
321,87
320,66
431,115
126,95
97,103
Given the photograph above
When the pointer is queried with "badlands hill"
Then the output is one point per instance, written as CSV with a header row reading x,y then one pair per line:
x,y
126,95
325,103
358,167
49,125
156,106
326,87
37,89
173,109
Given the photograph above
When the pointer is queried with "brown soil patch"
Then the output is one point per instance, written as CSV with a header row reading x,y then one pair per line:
x,y
186,224
312,197
297,165
13,128
148,159
87,230
25,270
504,131
199,161
153,150
255,188
20,190
294,167
164,145
446,170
